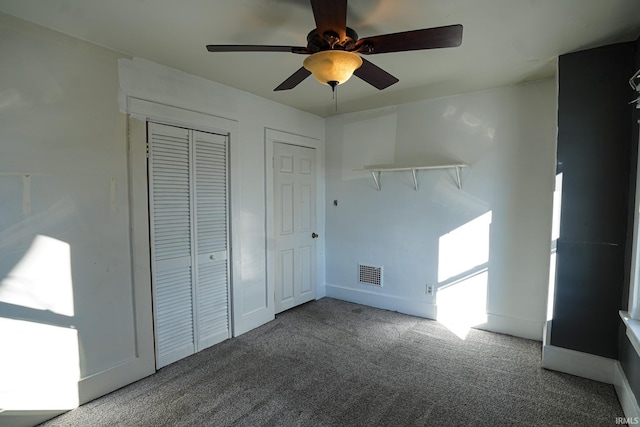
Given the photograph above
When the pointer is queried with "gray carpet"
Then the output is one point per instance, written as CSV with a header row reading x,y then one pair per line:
x,y
335,363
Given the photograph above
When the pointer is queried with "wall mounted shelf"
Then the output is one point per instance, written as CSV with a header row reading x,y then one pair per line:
x,y
376,171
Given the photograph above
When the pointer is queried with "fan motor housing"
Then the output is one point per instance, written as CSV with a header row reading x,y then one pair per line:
x,y
331,40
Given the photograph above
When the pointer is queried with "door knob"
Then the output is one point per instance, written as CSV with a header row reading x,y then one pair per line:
x,y
314,235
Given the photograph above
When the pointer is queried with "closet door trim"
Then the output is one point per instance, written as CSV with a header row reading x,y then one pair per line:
x,y
141,111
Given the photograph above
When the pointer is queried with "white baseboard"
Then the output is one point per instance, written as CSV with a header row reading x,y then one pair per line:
x,y
523,328
501,324
38,399
378,300
113,378
625,395
584,365
321,291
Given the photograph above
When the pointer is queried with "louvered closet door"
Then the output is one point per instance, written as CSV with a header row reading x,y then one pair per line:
x,y
188,207
211,239
171,237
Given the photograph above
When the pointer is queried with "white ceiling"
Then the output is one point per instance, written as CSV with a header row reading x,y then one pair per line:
x,y
504,41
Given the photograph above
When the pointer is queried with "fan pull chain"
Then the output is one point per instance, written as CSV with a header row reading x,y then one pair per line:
x,y
334,84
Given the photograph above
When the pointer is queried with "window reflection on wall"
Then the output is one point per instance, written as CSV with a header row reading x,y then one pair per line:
x,y
463,259
555,235
39,361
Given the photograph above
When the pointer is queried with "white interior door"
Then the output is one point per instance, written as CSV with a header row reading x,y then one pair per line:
x,y
294,202
189,240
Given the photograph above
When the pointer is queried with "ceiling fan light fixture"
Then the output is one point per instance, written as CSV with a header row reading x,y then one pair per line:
x,y
332,66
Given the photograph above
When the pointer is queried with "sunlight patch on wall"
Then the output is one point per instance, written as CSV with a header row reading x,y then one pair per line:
x,y
39,361
463,305
463,260
555,235
557,208
42,278
464,248
39,366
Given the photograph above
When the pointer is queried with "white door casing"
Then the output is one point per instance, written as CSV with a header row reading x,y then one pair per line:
x,y
294,225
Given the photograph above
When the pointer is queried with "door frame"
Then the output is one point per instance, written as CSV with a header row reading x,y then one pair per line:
x,y
273,136
140,112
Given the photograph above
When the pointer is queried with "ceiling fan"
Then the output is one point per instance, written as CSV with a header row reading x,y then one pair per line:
x,y
334,49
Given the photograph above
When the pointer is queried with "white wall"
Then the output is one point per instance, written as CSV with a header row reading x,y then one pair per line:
x,y
67,281
508,138
66,207
66,310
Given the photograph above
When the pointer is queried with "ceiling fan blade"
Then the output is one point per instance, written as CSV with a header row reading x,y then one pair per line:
x,y
374,75
294,79
330,15
428,38
255,48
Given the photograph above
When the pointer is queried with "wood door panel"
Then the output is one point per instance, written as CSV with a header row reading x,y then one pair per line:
x,y
286,209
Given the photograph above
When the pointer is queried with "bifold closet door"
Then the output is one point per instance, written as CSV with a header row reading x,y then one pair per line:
x,y
212,302
189,240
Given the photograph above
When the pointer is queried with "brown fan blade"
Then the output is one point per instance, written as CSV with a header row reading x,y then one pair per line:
x,y
330,15
294,79
374,75
255,48
429,38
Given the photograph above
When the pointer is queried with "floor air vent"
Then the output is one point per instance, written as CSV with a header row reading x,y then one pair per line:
x,y
370,275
